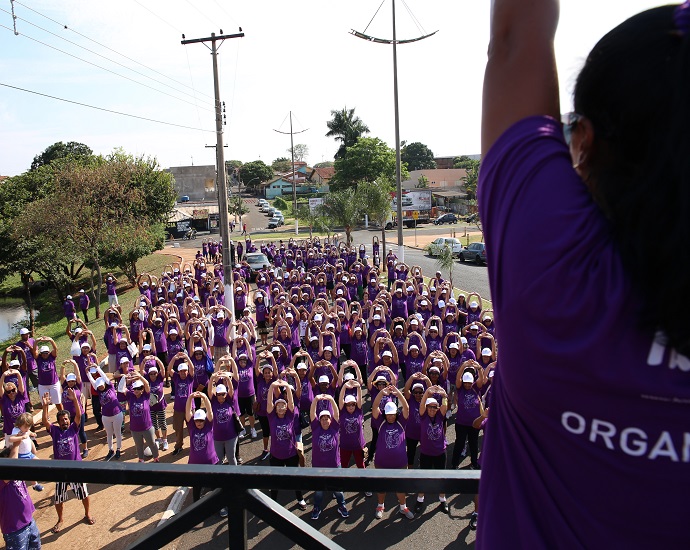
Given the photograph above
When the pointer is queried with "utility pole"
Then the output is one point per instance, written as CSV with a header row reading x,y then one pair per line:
x,y
221,176
398,178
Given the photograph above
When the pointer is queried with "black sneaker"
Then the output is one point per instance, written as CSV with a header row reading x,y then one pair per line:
x,y
177,451
110,455
473,521
117,455
444,507
418,507
265,455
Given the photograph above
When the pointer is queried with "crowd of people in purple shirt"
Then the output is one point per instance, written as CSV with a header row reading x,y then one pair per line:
x,y
321,337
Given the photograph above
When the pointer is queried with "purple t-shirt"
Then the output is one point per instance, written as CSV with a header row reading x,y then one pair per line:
x,y
324,447
183,389
282,435
65,443
351,430
201,449
609,428
223,425
468,406
246,385
391,450
16,506
139,411
110,406
47,375
432,441
11,410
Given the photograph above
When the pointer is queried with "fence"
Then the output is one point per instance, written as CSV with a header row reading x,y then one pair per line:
x,y
238,488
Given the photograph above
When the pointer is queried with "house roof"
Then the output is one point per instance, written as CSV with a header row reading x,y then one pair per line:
x,y
450,193
326,172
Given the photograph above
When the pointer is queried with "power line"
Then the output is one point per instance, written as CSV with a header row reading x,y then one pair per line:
x,y
100,55
103,108
111,49
104,68
214,23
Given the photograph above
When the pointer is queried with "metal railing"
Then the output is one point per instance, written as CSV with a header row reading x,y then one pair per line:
x,y
238,489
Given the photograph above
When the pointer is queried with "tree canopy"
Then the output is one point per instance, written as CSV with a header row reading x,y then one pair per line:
x,y
345,208
252,174
300,150
72,149
281,164
367,160
346,128
417,156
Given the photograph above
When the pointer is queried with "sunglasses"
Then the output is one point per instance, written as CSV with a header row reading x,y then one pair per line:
x,y
13,390
417,393
569,126
221,394
138,389
432,407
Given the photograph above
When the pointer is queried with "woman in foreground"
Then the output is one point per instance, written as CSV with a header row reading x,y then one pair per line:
x,y
592,398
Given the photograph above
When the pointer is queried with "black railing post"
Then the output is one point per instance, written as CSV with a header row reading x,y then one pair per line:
x,y
237,518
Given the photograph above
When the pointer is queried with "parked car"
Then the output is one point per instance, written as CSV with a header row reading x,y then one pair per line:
x,y
474,252
256,261
437,245
184,198
271,211
446,218
261,202
275,222
265,208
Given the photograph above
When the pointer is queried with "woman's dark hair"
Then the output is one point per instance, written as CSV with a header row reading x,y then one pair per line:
x,y
635,90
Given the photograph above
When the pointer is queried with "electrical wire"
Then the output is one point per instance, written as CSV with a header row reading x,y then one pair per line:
x,y
111,49
416,21
104,68
377,12
100,55
104,109
202,13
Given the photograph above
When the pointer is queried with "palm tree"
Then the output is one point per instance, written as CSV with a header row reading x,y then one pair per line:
x,y
446,261
313,219
346,128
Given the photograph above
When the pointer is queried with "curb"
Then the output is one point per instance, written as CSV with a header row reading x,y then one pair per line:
x,y
175,504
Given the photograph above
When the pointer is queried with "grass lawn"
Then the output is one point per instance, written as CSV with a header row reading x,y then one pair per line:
x,y
51,321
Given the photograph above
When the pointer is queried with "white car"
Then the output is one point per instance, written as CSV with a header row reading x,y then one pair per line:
x,y
437,245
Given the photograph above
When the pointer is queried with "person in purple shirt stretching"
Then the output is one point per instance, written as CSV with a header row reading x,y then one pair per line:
x,y
17,524
65,437
573,443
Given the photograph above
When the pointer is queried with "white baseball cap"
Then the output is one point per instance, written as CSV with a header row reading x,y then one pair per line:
x,y
453,345
467,377
275,348
124,360
474,327
220,388
220,315
390,408
417,386
318,317
173,331
101,382
153,370
431,401
200,415
473,304
85,345
413,346
387,353
328,348
349,376
71,376
23,331
486,352
44,349
147,347
323,379
350,399
324,412
380,379
377,317
15,363
313,338
463,340
301,366
358,328
137,384
434,369
183,366
69,296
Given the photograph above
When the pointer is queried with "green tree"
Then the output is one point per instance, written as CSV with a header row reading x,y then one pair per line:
x,y
464,162
366,160
253,174
417,156
237,207
301,151
325,164
422,182
230,165
345,209
346,128
471,178
72,149
281,164
377,201
314,219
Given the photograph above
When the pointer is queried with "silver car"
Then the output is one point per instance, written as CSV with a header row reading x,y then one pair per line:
x,y
437,245
475,252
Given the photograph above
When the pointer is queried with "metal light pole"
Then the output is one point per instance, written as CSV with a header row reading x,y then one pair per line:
x,y
398,177
294,181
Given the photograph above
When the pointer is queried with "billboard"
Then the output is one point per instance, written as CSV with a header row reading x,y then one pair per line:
x,y
414,200
313,203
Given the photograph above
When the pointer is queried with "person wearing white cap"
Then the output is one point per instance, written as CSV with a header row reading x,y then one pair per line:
x,y
474,311
221,319
380,378
200,426
68,307
180,370
388,357
325,429
72,381
265,375
18,363
432,445
469,408
352,443
11,398
246,392
111,412
48,381
434,337
111,289
391,447
283,440
154,370
139,401
225,420
455,359
415,352
25,343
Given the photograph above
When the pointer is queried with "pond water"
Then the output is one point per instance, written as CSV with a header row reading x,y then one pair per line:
x,y
13,313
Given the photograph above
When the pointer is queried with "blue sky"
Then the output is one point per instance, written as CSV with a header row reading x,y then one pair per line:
x,y
295,56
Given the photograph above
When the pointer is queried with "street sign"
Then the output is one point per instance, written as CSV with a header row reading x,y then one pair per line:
x,y
415,215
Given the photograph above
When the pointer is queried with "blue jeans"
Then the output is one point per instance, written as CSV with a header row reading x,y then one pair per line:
x,y
318,498
26,538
